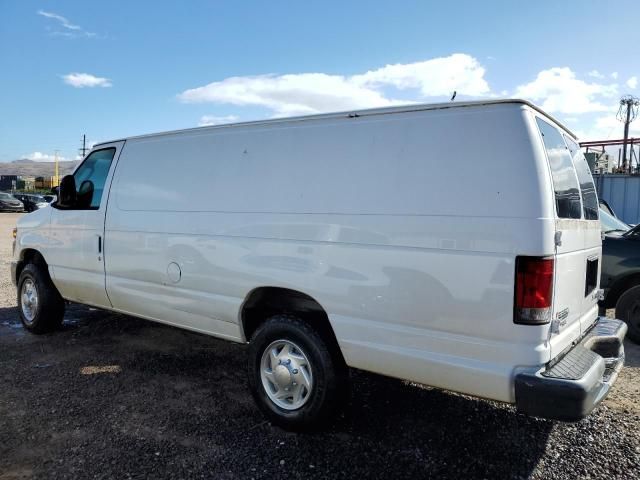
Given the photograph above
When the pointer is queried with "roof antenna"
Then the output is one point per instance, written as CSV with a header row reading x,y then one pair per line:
x,y
453,97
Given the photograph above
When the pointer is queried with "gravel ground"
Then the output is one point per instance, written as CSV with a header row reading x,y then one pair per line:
x,y
111,396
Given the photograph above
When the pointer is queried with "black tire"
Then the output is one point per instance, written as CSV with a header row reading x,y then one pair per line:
x,y
330,387
48,311
628,310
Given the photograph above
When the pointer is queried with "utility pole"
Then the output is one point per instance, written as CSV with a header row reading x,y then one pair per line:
x,y
83,150
619,152
627,113
56,177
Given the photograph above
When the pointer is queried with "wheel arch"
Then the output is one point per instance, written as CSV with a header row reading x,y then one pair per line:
x,y
30,255
263,302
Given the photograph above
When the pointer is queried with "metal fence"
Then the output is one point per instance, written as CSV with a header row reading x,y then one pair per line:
x,y
622,193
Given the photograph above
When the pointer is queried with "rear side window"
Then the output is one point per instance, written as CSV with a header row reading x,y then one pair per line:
x,y
565,183
587,187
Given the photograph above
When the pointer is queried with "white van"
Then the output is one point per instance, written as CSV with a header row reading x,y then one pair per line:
x,y
455,245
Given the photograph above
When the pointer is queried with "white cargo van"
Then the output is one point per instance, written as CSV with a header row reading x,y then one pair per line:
x,y
455,245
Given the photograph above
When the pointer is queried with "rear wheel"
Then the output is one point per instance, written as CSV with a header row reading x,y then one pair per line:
x,y
295,376
40,305
628,310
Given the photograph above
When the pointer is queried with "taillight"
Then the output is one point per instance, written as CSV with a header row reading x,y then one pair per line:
x,y
533,290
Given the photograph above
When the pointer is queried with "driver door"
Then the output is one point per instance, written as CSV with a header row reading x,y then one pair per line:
x,y
76,256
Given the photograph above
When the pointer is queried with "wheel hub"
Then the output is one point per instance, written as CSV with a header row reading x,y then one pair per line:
x,y
29,300
282,376
286,374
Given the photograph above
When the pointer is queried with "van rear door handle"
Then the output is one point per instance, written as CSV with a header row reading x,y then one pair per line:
x,y
99,243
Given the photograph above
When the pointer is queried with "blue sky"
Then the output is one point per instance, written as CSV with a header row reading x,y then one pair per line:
x,y
113,69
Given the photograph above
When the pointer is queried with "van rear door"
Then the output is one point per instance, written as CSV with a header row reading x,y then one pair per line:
x,y
578,244
592,234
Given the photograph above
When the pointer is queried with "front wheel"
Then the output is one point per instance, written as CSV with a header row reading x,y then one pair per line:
x,y
297,377
40,305
628,310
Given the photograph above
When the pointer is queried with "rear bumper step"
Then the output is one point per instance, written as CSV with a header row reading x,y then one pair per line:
x,y
570,388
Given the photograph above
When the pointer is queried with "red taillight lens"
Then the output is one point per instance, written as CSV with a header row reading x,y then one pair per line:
x,y
533,290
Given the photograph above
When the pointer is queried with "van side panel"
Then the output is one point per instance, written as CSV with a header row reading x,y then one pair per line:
x,y
404,227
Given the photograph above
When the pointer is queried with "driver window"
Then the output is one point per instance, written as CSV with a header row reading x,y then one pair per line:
x,y
91,176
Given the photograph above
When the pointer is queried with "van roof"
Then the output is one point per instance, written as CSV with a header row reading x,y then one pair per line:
x,y
356,113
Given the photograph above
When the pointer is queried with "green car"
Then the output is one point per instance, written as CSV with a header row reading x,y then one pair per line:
x,y
620,274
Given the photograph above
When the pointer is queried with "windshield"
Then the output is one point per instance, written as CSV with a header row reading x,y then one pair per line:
x,y
609,223
6,196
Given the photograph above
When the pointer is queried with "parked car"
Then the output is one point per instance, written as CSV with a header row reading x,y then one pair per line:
x,y
604,205
9,203
381,239
620,277
31,202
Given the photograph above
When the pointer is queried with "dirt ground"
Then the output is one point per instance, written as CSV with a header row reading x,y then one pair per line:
x,y
111,396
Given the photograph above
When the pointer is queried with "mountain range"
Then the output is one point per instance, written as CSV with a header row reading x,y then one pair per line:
x,y
31,168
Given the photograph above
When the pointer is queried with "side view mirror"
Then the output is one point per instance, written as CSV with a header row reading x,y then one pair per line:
x,y
67,193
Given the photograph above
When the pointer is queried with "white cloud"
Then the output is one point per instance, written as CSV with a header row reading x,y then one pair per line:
x,y
632,83
306,93
559,91
434,78
595,74
42,157
614,75
70,29
607,127
288,94
207,120
81,80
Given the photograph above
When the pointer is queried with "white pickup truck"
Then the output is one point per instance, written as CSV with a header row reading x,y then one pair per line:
x,y
455,245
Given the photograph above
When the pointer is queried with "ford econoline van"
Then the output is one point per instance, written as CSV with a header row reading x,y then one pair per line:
x,y
455,245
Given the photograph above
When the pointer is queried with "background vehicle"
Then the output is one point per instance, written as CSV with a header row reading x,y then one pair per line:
x,y
31,202
50,198
324,242
620,276
604,205
9,203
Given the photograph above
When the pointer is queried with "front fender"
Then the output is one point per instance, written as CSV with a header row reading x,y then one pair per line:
x,y
32,239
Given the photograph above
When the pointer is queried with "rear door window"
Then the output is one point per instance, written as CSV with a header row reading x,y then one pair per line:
x,y
587,187
565,183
